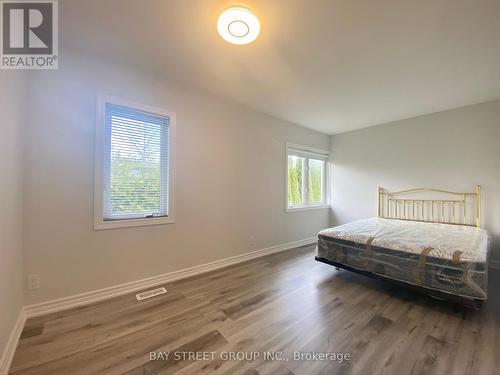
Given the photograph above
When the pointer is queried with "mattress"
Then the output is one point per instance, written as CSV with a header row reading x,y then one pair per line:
x,y
447,258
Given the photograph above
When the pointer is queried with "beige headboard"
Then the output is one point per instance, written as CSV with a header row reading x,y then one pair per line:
x,y
431,205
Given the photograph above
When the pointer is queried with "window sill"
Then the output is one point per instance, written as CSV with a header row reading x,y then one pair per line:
x,y
307,208
130,223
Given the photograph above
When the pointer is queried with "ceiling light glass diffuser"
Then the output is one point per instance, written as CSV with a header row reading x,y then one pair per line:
x,y
238,25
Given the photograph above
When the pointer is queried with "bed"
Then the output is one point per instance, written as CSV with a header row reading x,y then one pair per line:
x,y
428,239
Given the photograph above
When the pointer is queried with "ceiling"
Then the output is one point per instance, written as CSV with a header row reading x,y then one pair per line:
x,y
330,65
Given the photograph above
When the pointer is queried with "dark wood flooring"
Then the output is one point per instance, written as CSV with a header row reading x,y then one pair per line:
x,y
282,303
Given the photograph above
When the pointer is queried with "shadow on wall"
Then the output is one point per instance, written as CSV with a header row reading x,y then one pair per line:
x,y
495,248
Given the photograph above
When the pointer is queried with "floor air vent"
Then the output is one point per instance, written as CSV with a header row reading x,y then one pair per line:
x,y
150,294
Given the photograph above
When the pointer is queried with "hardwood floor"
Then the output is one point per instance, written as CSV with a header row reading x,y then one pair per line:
x,y
285,302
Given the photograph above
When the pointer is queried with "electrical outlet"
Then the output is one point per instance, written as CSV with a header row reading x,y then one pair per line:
x,y
33,282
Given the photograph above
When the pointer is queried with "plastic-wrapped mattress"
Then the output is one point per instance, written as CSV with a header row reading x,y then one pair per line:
x,y
447,258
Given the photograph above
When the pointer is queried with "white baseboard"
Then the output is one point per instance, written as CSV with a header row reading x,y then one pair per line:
x,y
495,264
65,303
10,349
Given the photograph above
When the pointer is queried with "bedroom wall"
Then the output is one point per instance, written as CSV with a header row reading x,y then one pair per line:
x,y
229,188
453,150
12,102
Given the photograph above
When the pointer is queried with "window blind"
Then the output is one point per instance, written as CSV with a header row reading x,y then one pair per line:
x,y
303,153
136,164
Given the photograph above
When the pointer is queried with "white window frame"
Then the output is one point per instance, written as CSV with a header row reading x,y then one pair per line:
x,y
311,150
99,222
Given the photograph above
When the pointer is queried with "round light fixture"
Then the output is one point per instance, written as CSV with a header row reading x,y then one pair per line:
x,y
238,25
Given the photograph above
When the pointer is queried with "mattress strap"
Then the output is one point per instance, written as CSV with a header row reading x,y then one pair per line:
x,y
366,253
456,257
419,271
339,254
466,279
465,271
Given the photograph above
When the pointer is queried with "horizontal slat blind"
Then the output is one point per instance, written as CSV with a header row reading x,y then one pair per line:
x,y
136,165
307,154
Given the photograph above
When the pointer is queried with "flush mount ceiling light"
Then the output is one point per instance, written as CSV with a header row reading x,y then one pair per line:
x,y
238,25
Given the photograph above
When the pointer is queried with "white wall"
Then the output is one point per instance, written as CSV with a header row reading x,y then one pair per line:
x,y
12,102
230,181
454,150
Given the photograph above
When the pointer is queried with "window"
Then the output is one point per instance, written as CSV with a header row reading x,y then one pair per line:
x,y
307,178
133,165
